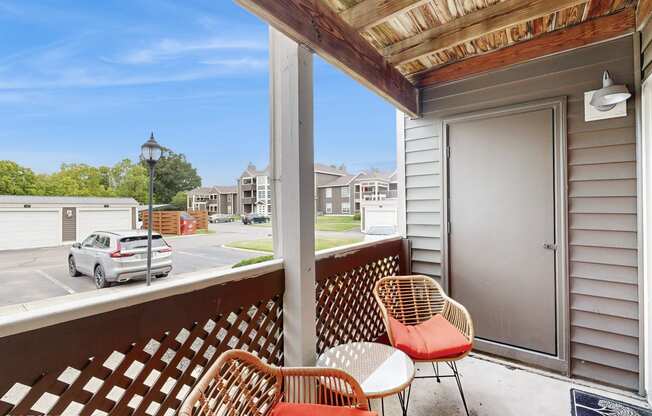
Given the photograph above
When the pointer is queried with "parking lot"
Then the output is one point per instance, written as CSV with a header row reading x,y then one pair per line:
x,y
29,275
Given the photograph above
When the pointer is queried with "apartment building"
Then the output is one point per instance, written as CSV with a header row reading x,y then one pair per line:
x,y
215,200
344,195
254,186
255,191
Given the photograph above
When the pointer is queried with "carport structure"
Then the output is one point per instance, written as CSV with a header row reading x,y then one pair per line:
x,y
455,70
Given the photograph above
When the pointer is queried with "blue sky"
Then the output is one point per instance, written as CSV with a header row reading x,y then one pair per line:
x,y
85,82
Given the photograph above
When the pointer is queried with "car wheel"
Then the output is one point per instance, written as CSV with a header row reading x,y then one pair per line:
x,y
100,277
72,267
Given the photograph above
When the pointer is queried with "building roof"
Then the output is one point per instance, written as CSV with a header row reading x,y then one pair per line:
x,y
226,189
331,169
378,175
253,171
71,200
341,181
202,190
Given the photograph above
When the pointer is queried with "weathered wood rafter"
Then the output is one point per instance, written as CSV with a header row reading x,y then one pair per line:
x,y
643,13
473,25
315,25
368,13
586,33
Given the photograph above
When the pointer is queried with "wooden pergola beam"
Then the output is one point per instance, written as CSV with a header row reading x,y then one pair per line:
x,y
369,13
583,34
472,26
315,25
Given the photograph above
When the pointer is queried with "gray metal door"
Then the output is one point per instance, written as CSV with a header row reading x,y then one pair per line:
x,y
502,227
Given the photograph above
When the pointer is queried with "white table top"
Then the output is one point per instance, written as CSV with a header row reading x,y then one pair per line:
x,y
380,369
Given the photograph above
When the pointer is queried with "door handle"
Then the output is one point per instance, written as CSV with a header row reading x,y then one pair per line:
x,y
550,246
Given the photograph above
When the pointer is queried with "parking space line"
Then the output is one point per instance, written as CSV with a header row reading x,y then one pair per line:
x,y
201,256
55,281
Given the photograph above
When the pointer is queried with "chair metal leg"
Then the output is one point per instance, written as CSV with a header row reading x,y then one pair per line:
x,y
435,367
453,367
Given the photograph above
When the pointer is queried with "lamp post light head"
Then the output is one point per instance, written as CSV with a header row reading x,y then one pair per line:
x,y
610,94
151,151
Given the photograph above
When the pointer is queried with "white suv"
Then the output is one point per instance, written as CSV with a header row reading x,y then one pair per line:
x,y
119,256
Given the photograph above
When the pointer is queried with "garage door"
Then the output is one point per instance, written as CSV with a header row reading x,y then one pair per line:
x,y
91,220
27,228
379,217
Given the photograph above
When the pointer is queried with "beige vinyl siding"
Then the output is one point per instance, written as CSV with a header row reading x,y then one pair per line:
x,y
423,195
602,200
646,49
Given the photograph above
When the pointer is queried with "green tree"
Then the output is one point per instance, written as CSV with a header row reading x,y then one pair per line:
x,y
173,174
17,180
78,180
180,201
129,180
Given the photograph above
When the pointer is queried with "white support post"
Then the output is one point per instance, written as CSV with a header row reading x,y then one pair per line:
x,y
293,206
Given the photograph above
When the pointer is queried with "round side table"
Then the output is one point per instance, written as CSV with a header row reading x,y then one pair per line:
x,y
381,370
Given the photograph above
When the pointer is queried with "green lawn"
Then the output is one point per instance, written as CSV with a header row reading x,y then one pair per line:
x,y
330,223
266,244
253,260
337,223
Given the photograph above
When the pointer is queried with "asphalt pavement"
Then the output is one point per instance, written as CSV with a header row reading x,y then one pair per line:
x,y
36,274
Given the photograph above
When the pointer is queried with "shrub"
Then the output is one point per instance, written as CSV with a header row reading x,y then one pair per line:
x,y
356,216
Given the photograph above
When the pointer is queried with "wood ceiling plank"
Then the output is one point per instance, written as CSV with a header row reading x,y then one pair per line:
x,y
369,13
643,13
599,8
583,34
473,25
314,24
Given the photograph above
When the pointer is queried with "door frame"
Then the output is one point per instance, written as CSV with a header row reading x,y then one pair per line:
x,y
560,362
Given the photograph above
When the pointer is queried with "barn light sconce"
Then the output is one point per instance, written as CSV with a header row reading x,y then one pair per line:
x,y
609,95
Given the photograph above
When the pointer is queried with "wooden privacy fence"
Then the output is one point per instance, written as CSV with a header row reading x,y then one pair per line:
x,y
346,308
141,359
202,219
164,222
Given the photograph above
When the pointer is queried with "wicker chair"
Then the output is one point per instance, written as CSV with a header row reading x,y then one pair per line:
x,y
240,384
414,300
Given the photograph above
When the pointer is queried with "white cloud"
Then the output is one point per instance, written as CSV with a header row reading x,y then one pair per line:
x,y
85,78
167,49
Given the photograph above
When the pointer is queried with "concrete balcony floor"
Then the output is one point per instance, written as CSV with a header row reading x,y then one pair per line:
x,y
497,388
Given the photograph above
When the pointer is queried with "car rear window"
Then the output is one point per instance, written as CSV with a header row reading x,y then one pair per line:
x,y
140,241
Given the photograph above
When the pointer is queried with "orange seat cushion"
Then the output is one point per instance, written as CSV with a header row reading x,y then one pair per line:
x,y
296,409
433,339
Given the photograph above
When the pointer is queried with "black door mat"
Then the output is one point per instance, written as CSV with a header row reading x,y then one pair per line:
x,y
589,404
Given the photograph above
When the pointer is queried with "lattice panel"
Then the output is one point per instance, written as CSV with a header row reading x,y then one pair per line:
x,y
346,308
151,376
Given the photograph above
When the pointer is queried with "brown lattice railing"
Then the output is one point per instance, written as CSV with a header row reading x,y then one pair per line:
x,y
141,359
346,308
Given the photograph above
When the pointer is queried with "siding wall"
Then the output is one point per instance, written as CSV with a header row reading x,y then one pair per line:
x,y
646,49
602,196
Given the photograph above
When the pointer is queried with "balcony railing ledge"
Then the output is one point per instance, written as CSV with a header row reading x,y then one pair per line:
x,y
40,314
349,249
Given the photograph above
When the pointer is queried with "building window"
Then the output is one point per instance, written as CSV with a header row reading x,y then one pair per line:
x,y
329,207
346,208
345,192
329,192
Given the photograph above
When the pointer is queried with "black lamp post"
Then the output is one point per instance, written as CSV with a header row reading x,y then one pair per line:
x,y
150,152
